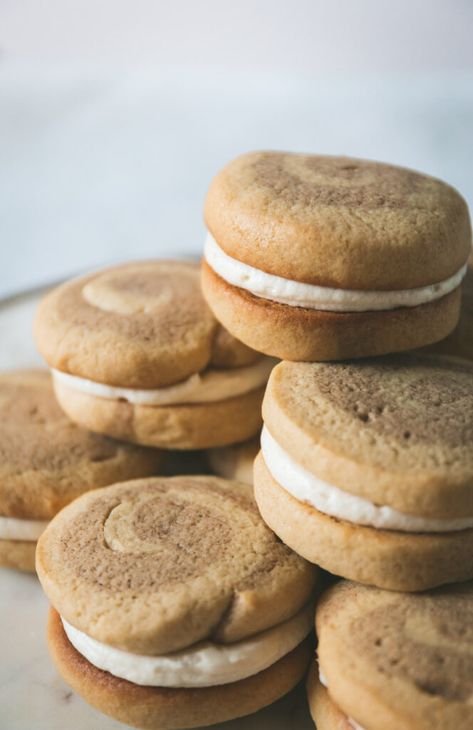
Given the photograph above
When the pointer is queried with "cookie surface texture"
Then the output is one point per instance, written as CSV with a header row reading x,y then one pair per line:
x,y
393,660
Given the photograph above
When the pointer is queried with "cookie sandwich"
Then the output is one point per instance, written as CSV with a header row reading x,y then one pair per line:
x,y
235,462
46,461
366,468
326,258
173,605
136,354
390,660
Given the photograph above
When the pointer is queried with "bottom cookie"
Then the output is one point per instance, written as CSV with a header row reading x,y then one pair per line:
x,y
323,710
159,708
397,561
194,426
19,554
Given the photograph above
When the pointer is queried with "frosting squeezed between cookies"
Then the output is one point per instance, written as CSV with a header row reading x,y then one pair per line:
x,y
205,664
324,298
13,528
207,387
333,501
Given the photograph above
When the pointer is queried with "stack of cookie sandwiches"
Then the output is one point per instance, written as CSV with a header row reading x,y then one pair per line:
x,y
366,463
185,601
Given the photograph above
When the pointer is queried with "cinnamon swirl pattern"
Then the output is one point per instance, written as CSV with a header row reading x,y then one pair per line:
x,y
172,591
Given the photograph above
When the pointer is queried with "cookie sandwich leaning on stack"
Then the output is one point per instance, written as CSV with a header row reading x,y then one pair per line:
x,y
173,605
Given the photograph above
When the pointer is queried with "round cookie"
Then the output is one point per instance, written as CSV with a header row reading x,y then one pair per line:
x,y
393,660
325,258
235,462
46,461
460,342
158,571
136,354
367,468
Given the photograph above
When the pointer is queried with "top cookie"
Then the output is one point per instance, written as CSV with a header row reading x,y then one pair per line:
x,y
45,460
338,222
140,325
397,431
155,565
394,660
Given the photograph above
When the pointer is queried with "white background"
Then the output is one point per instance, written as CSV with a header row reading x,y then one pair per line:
x,y
114,115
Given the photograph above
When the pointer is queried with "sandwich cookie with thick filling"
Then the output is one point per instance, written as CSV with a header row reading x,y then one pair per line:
x,y
366,468
46,461
136,354
173,604
327,258
393,661
236,461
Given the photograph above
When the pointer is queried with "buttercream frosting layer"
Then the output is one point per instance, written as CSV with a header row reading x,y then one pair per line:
x,y
333,501
12,528
205,664
207,387
311,296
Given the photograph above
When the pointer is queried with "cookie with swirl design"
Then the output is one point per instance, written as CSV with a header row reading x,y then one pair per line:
x,y
46,461
366,467
390,660
136,354
173,604
325,258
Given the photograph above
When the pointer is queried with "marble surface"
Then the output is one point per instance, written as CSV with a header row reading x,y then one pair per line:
x,y
32,695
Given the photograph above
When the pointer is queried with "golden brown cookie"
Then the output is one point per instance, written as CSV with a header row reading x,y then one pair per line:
x,y
163,707
136,354
47,461
393,660
235,462
367,468
321,258
171,587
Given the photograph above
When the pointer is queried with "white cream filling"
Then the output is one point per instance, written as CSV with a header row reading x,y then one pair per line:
x,y
12,528
350,720
333,501
203,665
311,296
206,387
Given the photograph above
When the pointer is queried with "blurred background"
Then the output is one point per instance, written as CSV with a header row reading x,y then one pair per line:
x,y
115,114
